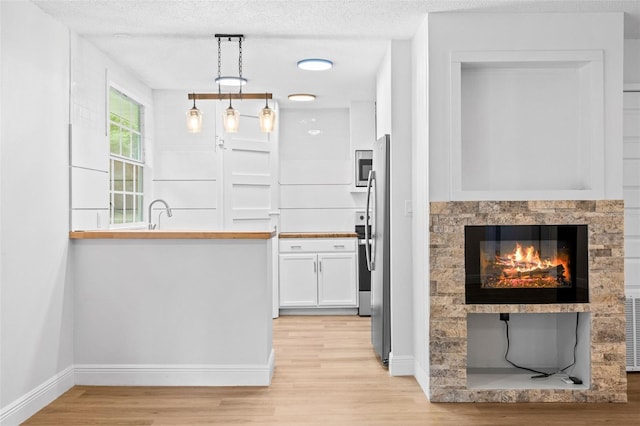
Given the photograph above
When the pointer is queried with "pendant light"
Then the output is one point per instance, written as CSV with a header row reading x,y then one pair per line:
x,y
231,116
231,119
267,117
194,119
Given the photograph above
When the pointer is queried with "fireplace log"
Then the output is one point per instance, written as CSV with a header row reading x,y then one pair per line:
x,y
557,271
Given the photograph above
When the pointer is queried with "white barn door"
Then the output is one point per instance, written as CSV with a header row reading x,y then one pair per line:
x,y
249,174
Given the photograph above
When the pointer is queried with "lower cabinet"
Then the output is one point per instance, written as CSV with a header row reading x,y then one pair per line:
x,y
318,273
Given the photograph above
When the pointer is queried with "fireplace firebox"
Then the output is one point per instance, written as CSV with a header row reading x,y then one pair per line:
x,y
520,264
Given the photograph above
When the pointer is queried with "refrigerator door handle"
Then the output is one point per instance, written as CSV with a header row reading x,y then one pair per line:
x,y
368,220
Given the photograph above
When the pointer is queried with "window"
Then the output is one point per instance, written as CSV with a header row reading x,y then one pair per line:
x,y
127,163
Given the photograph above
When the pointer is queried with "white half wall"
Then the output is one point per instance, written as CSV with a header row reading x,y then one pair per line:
x,y
173,312
36,312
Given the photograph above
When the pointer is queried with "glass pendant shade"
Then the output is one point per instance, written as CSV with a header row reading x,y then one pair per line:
x,y
267,119
231,119
194,120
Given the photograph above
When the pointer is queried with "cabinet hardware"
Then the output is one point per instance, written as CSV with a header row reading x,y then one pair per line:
x,y
338,245
320,263
296,247
314,267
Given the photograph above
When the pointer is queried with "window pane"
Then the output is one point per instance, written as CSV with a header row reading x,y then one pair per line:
x,y
135,146
128,208
126,143
114,139
138,208
128,177
118,208
139,173
118,176
135,117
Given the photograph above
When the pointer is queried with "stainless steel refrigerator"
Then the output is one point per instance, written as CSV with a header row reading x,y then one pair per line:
x,y
378,248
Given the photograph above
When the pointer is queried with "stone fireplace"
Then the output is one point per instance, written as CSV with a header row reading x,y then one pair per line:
x,y
590,288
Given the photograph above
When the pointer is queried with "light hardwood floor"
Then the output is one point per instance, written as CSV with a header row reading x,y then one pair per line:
x,y
326,374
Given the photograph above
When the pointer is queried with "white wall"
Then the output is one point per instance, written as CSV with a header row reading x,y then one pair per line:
x,y
317,191
522,35
394,102
92,73
36,313
632,190
186,169
632,64
420,196
631,160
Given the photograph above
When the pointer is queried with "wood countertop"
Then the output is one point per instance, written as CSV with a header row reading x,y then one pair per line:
x,y
143,234
318,235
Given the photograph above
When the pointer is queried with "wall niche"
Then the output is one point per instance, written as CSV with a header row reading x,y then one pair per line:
x,y
527,124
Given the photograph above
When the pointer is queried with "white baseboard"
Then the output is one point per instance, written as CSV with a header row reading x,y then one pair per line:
x,y
29,404
400,365
175,375
422,377
318,311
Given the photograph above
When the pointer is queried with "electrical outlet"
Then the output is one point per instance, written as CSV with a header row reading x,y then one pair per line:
x,y
504,317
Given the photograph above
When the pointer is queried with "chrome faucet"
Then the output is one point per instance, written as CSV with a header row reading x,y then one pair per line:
x,y
166,206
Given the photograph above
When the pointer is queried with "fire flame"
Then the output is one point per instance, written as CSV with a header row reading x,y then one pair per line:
x,y
525,262
525,268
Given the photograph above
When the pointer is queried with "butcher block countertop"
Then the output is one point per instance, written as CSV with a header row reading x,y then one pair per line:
x,y
142,234
318,235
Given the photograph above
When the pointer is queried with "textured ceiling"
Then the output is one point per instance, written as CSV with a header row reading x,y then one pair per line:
x,y
169,44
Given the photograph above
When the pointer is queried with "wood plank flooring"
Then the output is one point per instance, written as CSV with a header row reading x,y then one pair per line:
x,y
326,374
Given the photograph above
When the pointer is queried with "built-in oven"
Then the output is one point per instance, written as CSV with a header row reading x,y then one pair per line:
x,y
364,276
364,162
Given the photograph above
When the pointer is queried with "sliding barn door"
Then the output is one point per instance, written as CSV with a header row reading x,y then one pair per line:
x,y
249,176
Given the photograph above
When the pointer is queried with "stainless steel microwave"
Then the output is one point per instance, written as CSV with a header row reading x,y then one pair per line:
x,y
364,162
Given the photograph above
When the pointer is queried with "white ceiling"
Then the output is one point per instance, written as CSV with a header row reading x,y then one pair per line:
x,y
169,44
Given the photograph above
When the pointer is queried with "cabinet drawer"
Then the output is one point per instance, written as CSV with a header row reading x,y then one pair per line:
x,y
297,245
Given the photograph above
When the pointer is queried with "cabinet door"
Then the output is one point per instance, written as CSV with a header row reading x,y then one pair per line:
x,y
298,280
337,279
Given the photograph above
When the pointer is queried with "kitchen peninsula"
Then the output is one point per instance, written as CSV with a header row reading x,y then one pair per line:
x,y
172,308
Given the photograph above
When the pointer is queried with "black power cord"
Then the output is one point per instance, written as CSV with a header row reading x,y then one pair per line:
x,y
575,345
541,374
506,355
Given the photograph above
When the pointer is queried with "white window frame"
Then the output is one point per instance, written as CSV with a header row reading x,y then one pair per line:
x,y
137,190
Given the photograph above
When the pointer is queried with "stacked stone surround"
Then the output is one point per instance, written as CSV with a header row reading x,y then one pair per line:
x,y
448,316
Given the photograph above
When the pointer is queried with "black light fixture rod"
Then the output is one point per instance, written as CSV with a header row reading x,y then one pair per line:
x,y
229,36
219,96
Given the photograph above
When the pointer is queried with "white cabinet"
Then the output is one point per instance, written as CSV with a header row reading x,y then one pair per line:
x,y
317,273
298,279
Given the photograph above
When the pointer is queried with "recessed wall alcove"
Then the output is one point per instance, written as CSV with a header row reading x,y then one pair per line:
x,y
601,349
527,124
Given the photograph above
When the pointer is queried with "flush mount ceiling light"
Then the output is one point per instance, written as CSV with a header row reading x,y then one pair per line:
x,y
230,116
315,64
302,97
231,81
